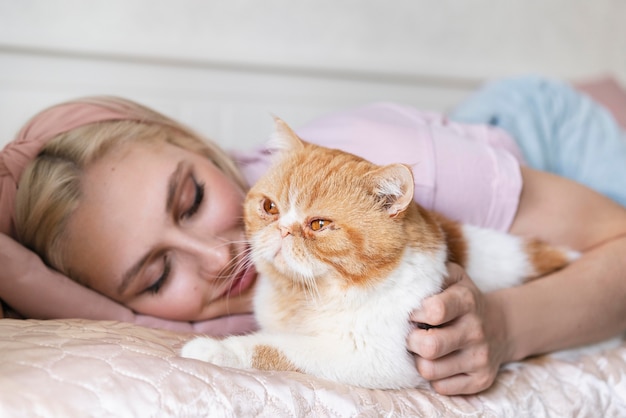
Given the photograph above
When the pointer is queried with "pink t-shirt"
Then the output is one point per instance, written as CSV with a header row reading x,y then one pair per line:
x,y
470,173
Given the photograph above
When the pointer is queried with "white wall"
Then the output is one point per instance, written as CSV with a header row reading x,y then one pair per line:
x,y
223,65
232,106
468,38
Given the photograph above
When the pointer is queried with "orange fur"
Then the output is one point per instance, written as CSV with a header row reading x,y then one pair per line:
x,y
368,208
545,258
344,255
328,195
457,245
266,357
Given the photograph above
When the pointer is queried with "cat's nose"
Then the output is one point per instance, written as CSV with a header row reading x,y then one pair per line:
x,y
284,231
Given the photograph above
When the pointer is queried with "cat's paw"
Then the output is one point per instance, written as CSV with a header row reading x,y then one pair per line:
x,y
212,351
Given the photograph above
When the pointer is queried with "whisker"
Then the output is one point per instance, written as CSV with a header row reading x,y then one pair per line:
x,y
240,261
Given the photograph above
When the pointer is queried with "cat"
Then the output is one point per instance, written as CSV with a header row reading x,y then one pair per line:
x,y
344,254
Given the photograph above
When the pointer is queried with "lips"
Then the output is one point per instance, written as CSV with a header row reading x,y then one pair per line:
x,y
242,282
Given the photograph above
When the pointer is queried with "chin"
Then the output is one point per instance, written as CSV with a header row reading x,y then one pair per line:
x,y
235,305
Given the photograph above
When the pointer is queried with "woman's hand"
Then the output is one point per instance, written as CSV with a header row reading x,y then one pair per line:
x,y
462,350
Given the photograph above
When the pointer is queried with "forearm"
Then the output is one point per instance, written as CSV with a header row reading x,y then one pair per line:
x,y
46,294
581,304
35,291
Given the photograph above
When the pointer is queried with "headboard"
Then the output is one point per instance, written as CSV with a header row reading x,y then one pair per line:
x,y
224,67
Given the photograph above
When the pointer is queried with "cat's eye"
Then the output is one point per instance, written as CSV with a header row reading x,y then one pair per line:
x,y
318,224
270,207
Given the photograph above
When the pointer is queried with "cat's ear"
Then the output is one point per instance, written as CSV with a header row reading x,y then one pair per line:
x,y
395,187
284,138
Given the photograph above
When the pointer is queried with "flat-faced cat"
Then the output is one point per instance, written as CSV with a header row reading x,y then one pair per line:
x,y
344,255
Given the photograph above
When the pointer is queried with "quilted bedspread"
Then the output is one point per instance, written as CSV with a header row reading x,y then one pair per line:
x,y
79,368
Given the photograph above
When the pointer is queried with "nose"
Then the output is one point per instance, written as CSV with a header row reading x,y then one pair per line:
x,y
213,254
218,254
284,231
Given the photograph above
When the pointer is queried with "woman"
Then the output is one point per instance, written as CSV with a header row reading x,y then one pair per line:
x,y
168,242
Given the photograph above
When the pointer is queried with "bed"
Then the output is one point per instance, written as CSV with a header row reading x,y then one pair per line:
x,y
76,368
97,368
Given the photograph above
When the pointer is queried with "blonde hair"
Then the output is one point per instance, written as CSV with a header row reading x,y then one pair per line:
x,y
50,188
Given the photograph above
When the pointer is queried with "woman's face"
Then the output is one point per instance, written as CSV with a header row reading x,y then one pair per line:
x,y
159,229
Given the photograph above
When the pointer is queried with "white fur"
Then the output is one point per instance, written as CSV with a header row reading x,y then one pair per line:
x,y
289,218
357,338
495,260
391,187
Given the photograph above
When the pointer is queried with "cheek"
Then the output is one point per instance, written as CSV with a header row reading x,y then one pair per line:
x,y
179,300
184,298
229,207
231,211
265,244
288,255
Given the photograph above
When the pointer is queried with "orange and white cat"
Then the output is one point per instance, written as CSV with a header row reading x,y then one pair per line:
x,y
344,255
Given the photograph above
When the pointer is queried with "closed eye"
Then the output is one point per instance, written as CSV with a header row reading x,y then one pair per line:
x,y
158,284
197,200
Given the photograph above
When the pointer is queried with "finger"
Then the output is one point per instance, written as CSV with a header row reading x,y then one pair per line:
x,y
471,361
462,384
435,370
442,308
456,273
434,343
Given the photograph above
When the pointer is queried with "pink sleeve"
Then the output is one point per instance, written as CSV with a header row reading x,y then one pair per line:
x,y
468,172
478,174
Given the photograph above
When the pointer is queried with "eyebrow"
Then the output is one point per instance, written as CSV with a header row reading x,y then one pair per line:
x,y
172,186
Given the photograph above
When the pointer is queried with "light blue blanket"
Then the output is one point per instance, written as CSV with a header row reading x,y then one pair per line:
x,y
557,128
